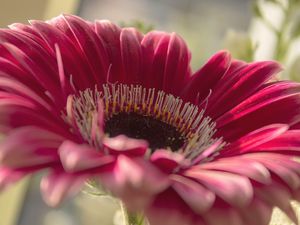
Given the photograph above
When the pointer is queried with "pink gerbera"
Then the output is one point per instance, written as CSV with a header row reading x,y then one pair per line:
x,y
93,101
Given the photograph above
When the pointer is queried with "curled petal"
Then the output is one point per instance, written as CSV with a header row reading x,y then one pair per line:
x,y
75,157
234,189
58,185
132,180
167,160
124,145
194,194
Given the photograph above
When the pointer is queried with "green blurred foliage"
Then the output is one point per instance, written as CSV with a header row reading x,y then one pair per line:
x,y
138,24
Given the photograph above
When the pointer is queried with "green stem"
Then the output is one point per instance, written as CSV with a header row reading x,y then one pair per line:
x,y
131,218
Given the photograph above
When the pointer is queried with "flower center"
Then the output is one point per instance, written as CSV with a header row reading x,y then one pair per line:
x,y
157,133
162,119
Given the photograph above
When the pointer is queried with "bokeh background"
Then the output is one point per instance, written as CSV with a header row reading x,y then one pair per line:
x,y
207,26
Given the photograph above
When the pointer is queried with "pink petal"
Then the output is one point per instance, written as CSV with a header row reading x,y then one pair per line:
x,y
38,147
110,34
176,65
92,50
166,61
235,66
247,80
22,90
75,157
34,63
272,113
158,216
223,216
171,204
135,181
9,176
11,70
167,160
234,189
131,54
13,115
194,194
251,141
260,213
124,145
278,196
287,142
239,165
207,152
207,77
71,56
59,185
264,97
273,163
134,172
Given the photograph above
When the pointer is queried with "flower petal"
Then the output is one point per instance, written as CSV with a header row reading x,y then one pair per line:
x,y
75,157
273,162
273,112
131,54
260,213
244,83
124,145
223,216
71,55
270,93
167,160
9,176
92,50
207,77
38,147
289,142
234,189
110,34
251,141
58,185
132,180
239,165
166,59
194,194
279,196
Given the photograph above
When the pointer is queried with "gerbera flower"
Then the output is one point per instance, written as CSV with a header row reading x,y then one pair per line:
x,y
94,101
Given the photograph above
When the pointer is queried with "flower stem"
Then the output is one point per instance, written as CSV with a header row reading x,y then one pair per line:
x,y
131,218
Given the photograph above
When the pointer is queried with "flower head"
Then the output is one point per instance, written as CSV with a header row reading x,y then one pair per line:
x,y
96,101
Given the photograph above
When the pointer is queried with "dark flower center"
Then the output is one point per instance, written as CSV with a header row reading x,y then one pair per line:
x,y
157,133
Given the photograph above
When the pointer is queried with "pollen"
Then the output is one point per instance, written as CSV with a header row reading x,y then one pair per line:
x,y
162,119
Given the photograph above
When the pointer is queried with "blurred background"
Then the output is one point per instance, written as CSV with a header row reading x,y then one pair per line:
x,y
249,29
